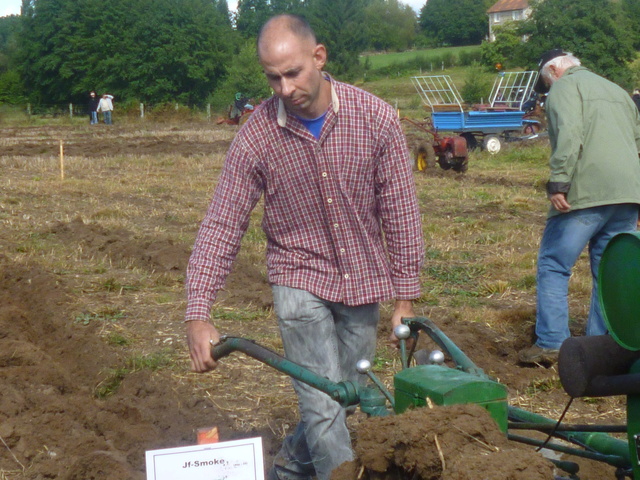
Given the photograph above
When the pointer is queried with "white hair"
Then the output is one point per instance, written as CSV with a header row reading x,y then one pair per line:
x,y
561,63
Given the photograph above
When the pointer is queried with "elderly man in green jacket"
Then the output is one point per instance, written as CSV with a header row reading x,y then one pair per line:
x,y
594,189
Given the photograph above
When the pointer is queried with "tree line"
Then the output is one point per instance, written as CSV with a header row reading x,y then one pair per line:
x,y
196,52
184,51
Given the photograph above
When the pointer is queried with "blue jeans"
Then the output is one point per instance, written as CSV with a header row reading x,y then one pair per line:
x,y
327,338
564,238
94,118
107,117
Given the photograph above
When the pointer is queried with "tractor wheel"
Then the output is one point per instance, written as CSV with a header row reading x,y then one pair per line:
x,y
492,144
446,159
425,157
460,164
472,141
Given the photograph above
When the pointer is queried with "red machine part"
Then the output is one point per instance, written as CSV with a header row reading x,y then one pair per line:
x,y
451,151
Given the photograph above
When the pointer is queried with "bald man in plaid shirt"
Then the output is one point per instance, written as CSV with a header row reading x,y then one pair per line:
x,y
342,225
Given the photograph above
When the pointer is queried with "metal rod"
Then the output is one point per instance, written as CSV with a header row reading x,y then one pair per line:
x,y
613,460
345,393
403,354
462,361
382,388
596,441
567,428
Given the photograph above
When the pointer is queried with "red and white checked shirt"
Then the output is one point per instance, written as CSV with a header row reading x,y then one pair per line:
x,y
330,205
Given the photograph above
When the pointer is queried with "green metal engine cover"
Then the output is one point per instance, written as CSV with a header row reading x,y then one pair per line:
x,y
447,386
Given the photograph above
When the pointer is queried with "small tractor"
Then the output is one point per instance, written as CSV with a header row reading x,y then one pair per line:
x,y
450,152
239,111
595,366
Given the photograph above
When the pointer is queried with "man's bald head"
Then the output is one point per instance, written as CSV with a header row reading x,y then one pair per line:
x,y
276,26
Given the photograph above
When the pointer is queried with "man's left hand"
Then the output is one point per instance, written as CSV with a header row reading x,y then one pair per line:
x,y
559,202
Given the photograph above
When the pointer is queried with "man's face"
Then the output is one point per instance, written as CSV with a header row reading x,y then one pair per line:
x,y
293,68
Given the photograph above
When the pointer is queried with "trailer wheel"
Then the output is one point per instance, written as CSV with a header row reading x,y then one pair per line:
x,y
492,144
425,157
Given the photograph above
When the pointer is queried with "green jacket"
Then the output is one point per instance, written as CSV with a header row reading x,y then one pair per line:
x,y
594,129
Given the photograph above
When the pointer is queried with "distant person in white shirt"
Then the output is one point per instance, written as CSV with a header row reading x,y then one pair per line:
x,y
106,107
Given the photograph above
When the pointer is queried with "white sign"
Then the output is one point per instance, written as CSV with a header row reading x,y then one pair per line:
x,y
235,460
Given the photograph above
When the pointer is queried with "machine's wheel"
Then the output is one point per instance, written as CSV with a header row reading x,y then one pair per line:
x,y
446,159
492,144
425,157
472,141
460,164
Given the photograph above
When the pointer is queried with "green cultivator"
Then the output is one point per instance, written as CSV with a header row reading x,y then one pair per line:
x,y
588,367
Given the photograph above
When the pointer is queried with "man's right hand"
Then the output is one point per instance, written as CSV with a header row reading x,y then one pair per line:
x,y
200,337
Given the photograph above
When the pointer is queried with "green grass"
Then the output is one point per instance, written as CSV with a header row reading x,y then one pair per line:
x,y
377,61
109,315
115,376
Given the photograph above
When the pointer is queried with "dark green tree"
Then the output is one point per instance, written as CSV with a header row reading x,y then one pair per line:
x,y
389,25
251,15
9,27
339,26
245,76
11,88
594,30
150,50
287,6
455,22
631,9
223,8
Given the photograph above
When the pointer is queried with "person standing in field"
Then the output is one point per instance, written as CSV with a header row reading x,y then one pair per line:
x,y
594,189
93,108
343,232
106,107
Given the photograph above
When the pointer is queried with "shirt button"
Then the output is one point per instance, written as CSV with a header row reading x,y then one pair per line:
x,y
324,174
335,225
329,200
342,250
346,275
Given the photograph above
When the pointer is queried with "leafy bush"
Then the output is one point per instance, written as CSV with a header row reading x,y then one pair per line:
x,y
244,75
477,86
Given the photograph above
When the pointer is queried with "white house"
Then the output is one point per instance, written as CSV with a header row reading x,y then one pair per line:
x,y
505,11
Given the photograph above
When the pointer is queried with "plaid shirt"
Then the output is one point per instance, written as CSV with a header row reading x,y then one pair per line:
x,y
328,203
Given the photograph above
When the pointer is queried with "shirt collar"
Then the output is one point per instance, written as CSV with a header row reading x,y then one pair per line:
x,y
335,104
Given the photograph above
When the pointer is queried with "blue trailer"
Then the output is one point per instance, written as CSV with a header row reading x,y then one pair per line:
x,y
488,125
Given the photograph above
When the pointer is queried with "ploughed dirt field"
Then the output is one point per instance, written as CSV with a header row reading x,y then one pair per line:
x,y
94,368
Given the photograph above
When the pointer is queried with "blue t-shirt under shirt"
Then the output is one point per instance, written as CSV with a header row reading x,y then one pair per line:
x,y
314,125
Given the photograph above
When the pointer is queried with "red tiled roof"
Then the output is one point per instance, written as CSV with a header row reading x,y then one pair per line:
x,y
508,5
